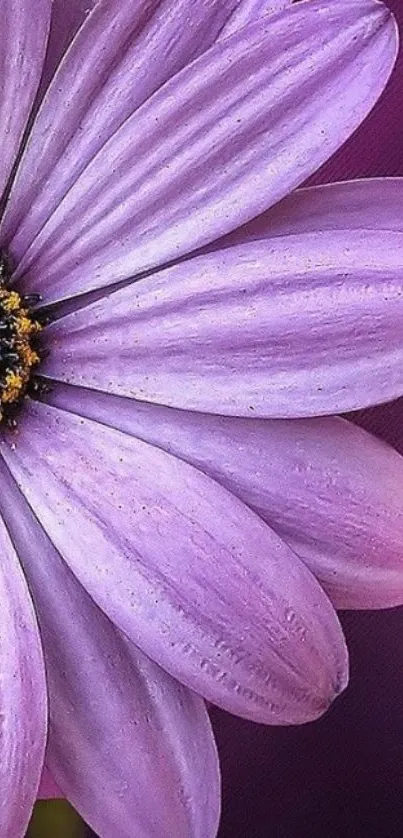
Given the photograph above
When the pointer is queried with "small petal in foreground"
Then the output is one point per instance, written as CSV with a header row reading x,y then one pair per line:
x,y
170,551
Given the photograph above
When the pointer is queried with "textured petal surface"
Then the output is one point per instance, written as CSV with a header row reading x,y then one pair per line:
x,y
185,569
22,49
374,204
48,789
249,10
293,326
189,166
126,51
310,480
131,748
375,149
23,713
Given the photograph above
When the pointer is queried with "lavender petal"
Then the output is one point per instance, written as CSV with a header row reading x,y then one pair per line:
x,y
126,50
310,480
129,747
221,141
292,326
182,567
375,204
22,696
24,33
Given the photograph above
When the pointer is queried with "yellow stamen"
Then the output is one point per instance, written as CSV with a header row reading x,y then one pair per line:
x,y
11,301
17,355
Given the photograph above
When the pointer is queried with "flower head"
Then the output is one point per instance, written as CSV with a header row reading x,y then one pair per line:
x,y
160,515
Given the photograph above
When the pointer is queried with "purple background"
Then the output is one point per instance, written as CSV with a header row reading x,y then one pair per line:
x,y
341,777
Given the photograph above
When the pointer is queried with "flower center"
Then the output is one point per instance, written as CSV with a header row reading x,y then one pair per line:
x,y
18,357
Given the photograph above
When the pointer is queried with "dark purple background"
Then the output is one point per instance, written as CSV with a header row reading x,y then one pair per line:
x,y
341,777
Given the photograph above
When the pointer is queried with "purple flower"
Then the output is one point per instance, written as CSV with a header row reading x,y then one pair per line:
x,y
155,495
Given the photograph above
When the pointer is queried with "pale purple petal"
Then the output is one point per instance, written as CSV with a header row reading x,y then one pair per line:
x,y
126,50
23,705
24,33
131,748
375,149
183,567
310,480
48,789
374,204
286,327
220,142
248,10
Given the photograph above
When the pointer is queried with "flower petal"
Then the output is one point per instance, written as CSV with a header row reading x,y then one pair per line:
x,y
190,574
249,10
375,204
189,166
67,17
125,51
286,327
48,789
23,703
22,49
375,149
310,480
119,726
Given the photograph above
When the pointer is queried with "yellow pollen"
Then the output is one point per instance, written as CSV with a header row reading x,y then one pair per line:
x,y
14,384
11,301
17,355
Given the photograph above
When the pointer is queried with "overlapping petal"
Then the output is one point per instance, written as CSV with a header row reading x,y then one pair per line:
x,y
385,421
67,17
22,49
48,789
374,204
176,560
375,149
187,166
124,53
131,748
249,10
23,704
292,326
183,567
310,480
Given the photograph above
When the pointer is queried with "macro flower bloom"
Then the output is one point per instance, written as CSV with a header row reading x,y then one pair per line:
x,y
167,337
